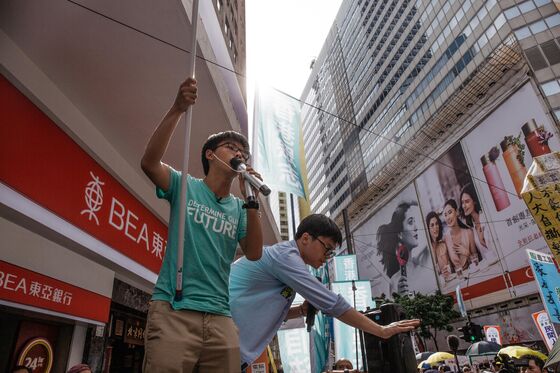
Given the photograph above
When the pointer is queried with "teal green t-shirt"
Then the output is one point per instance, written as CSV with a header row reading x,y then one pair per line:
x,y
212,231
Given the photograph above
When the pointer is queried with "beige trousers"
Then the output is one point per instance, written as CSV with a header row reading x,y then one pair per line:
x,y
187,341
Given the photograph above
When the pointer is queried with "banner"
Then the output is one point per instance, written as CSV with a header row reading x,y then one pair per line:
x,y
345,335
493,333
294,350
548,280
345,268
278,141
546,329
542,197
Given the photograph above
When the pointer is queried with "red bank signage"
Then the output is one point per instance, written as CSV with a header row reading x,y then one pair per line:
x,y
23,286
40,161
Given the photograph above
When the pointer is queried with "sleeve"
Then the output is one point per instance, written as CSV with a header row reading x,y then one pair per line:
x,y
242,226
291,270
174,186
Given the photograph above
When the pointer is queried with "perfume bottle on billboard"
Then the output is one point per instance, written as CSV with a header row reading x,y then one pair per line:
x,y
494,179
514,154
536,138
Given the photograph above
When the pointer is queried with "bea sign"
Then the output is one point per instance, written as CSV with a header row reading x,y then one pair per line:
x,y
38,160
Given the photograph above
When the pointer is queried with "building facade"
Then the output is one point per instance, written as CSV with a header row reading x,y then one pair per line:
x,y
411,106
83,233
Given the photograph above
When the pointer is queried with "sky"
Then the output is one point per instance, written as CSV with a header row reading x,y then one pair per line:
x,y
283,37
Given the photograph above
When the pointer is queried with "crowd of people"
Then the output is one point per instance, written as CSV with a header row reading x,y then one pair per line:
x,y
525,364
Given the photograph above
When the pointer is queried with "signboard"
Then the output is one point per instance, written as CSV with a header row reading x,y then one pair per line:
x,y
546,329
23,286
37,355
493,333
135,329
61,177
548,281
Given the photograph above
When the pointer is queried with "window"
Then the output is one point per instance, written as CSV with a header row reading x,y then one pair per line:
x,y
553,21
541,2
551,88
526,6
522,33
537,27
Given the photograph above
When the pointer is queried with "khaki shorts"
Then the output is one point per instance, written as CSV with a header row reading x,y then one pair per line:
x,y
185,341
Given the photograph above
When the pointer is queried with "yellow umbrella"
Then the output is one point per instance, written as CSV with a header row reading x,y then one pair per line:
x,y
438,357
518,351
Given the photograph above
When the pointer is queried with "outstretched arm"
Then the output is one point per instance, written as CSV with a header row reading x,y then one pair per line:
x,y
358,320
151,162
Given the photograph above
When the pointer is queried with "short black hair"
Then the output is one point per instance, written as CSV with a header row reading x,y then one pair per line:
x,y
538,361
319,225
214,140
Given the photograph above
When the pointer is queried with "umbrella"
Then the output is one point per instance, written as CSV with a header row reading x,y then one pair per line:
x,y
483,348
424,365
518,351
423,355
553,356
438,357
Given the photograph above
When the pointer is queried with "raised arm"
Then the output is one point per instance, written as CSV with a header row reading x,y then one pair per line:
x,y
151,162
358,320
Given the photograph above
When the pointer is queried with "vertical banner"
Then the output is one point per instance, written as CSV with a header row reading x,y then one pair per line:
x,y
344,335
543,198
345,268
493,333
277,145
546,329
460,301
294,350
548,281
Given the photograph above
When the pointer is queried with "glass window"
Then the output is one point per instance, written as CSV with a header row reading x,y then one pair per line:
x,y
491,31
474,22
553,21
537,27
551,88
526,6
522,33
541,2
482,41
500,21
512,12
482,13
490,4
557,113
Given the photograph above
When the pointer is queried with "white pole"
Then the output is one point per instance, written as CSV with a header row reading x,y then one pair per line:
x,y
183,205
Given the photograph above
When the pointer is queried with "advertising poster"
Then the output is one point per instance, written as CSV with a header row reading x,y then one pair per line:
x,y
392,249
500,151
455,219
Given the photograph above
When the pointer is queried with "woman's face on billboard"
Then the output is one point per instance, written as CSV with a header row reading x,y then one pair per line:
x,y
450,215
467,203
410,229
433,227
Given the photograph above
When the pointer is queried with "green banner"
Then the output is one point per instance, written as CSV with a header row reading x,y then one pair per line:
x,y
277,141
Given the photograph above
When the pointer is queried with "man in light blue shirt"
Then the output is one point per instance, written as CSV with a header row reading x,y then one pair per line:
x,y
262,292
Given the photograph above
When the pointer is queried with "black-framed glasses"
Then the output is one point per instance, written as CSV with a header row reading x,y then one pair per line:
x,y
235,149
329,252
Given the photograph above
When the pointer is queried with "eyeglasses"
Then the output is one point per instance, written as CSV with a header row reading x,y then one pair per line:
x,y
235,149
329,252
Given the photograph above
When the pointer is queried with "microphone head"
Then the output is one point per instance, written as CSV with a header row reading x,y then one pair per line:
x,y
235,163
453,342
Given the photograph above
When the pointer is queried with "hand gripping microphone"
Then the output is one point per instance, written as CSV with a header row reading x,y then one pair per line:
x,y
238,165
310,317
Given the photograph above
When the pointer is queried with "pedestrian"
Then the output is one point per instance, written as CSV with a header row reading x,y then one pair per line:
x,y
196,332
262,292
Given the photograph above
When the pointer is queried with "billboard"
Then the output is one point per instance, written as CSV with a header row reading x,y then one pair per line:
x,y
459,237
392,249
499,152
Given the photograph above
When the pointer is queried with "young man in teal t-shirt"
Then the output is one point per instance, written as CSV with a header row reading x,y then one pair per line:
x,y
197,333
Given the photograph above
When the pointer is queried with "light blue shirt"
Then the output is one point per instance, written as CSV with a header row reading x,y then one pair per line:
x,y
261,293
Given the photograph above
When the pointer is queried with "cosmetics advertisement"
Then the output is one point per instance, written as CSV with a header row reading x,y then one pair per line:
x,y
392,249
499,152
455,219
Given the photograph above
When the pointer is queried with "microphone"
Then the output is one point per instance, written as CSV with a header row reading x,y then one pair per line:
x,y
238,165
310,317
